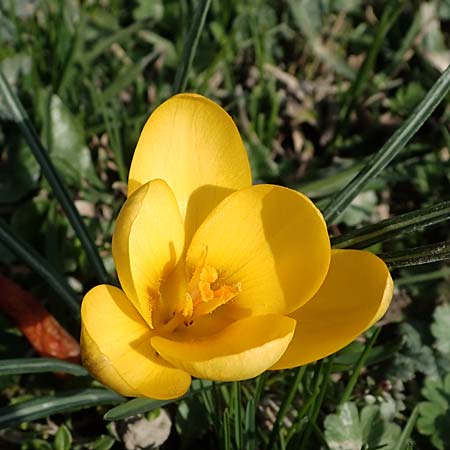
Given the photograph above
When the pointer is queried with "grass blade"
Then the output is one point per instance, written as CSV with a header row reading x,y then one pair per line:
x,y
45,406
324,369
191,46
358,366
39,265
406,433
287,401
390,149
418,255
423,277
389,228
226,430
237,413
59,189
143,405
250,421
39,365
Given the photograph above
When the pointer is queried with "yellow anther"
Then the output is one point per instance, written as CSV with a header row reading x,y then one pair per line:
x,y
204,292
208,274
188,307
222,296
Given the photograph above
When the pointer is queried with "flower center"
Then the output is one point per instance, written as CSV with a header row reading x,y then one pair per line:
x,y
204,294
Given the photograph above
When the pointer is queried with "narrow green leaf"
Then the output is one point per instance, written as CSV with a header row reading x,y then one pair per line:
x,y
406,433
44,406
423,277
143,405
237,414
393,227
38,264
358,366
226,430
417,255
390,149
63,439
323,377
190,47
22,120
103,44
39,365
249,425
287,402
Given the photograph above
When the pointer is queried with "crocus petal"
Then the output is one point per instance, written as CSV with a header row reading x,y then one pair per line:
x,y
240,351
354,295
116,348
147,243
271,242
194,145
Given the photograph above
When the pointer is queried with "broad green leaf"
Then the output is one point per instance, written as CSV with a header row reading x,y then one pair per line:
x,y
149,10
343,430
39,365
350,430
413,357
66,142
62,402
361,210
13,67
103,443
434,414
440,328
63,439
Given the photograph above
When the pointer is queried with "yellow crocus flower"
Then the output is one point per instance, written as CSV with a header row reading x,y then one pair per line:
x,y
220,279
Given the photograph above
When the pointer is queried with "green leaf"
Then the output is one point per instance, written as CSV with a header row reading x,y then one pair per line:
x,y
142,405
350,430
358,366
66,142
190,47
434,414
343,430
39,365
406,433
103,443
361,210
47,405
387,229
418,255
440,328
63,439
149,10
413,357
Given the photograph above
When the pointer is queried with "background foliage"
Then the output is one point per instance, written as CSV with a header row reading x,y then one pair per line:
x,y
316,88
